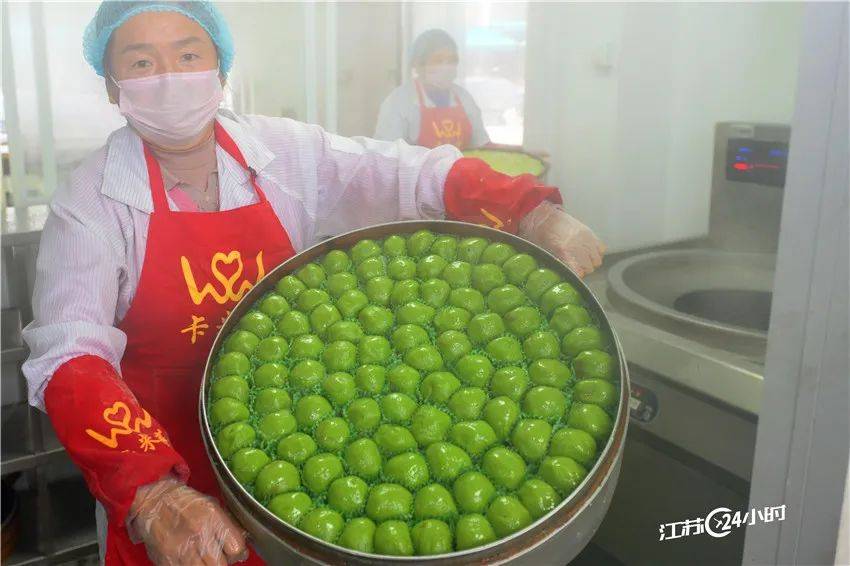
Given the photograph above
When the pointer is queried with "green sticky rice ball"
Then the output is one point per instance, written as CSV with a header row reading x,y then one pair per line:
x,y
453,345
497,253
257,323
394,439
363,458
324,524
467,298
337,261
395,246
549,372
438,387
348,495
591,419
241,341
544,402
431,536
508,515
247,463
504,467
389,501
409,470
312,275
270,400
398,408
233,387
332,434
234,437
291,507
296,448
275,478
307,375
320,470
594,364
290,287
531,437
339,388
522,321
447,461
473,492
517,268
430,425
510,381
434,502
311,410
473,530
445,247
403,379
581,339
473,436
468,403
435,292
340,283
538,497
270,375
363,250
562,472
405,291
574,443
358,534
364,414
501,413
226,411
393,539
275,426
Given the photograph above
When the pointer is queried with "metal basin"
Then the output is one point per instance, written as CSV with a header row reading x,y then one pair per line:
x,y
724,296
555,538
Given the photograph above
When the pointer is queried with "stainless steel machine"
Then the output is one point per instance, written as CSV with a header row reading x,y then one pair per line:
x,y
693,321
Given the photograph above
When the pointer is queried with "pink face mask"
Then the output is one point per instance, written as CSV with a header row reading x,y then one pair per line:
x,y
172,108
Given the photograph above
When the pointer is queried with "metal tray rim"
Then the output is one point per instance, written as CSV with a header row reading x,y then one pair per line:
x,y
608,455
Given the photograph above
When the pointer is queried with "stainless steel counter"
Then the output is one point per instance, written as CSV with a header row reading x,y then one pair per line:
x,y
732,378
22,226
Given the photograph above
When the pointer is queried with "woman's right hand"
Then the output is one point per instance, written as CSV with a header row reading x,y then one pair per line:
x,y
181,526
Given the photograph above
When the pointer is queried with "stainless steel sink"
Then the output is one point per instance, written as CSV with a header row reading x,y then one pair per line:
x,y
721,298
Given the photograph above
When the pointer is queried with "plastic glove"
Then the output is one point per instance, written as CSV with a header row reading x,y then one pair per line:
x,y
550,227
182,526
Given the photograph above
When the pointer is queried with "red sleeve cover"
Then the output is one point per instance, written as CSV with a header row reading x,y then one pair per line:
x,y
115,442
476,193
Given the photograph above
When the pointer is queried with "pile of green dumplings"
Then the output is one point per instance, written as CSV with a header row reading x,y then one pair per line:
x,y
511,163
414,396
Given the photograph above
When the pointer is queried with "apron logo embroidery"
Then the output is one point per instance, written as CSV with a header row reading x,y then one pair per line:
x,y
119,417
197,328
497,222
227,282
448,129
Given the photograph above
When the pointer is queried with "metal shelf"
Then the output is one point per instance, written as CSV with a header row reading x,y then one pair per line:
x,y
72,533
12,355
18,462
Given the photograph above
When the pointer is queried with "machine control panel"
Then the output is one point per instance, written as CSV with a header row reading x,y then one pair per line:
x,y
643,404
756,161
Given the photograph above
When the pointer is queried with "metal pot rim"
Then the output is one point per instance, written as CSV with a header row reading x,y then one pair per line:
x,y
566,509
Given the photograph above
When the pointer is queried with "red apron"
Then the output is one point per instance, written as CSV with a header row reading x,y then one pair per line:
x,y
196,267
440,126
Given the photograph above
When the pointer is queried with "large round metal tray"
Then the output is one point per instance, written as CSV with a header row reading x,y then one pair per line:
x,y
554,538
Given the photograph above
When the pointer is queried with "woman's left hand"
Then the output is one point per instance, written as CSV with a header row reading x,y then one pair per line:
x,y
550,227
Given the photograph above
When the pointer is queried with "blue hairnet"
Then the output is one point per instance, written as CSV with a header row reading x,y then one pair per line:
x,y
111,14
427,42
